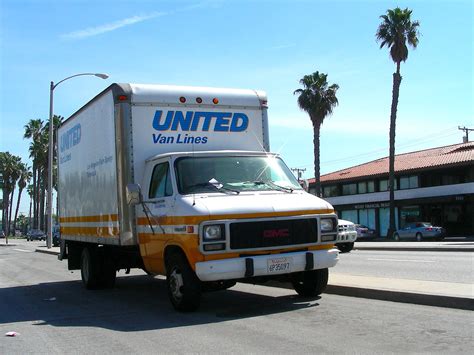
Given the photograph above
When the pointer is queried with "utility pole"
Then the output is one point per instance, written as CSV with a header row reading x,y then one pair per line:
x,y
467,130
299,173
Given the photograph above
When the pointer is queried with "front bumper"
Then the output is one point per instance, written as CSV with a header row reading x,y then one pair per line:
x,y
249,266
346,237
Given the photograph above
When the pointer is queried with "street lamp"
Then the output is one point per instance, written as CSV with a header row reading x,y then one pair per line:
x,y
50,156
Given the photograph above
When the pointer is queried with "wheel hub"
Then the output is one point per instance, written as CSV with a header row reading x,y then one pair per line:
x,y
176,282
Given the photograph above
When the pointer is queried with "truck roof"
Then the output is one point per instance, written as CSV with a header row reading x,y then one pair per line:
x,y
213,153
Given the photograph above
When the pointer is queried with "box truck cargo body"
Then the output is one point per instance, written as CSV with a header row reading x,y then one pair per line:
x,y
179,181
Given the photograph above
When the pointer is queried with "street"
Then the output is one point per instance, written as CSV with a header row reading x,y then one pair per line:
x,y
53,313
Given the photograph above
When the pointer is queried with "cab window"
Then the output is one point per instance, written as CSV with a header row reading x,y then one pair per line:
x,y
160,185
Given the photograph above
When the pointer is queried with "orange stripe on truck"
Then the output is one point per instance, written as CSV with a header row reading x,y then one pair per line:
x,y
176,220
99,218
91,231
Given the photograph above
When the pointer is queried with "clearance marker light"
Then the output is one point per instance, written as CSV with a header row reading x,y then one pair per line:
x,y
182,99
190,229
215,101
199,100
122,98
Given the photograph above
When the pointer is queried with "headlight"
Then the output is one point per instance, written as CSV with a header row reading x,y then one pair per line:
x,y
328,225
351,227
213,232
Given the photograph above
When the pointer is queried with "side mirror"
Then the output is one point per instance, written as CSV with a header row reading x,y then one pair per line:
x,y
134,194
305,185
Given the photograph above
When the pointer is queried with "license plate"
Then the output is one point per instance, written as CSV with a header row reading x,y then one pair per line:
x,y
279,265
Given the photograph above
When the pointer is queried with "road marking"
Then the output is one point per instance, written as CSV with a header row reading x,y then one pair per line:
x,y
404,261
24,251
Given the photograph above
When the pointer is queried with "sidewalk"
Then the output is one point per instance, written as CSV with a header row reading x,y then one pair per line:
x,y
430,293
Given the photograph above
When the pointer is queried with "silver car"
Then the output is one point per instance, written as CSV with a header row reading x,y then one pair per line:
x,y
419,231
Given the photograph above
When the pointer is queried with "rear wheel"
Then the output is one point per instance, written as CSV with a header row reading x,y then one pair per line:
x,y
419,237
310,283
184,288
90,270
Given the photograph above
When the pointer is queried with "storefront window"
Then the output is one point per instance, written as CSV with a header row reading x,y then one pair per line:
x,y
384,220
367,217
409,214
349,215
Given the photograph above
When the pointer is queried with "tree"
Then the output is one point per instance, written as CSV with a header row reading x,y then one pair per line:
x,y
24,179
33,131
318,99
9,170
396,31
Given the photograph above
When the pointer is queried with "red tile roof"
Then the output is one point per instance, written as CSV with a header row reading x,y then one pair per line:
x,y
457,154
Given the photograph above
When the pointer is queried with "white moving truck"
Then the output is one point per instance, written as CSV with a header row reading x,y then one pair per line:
x,y
178,181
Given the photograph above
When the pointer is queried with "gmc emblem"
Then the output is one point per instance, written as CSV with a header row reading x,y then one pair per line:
x,y
276,233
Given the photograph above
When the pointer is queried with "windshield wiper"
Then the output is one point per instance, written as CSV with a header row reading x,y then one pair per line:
x,y
216,185
272,185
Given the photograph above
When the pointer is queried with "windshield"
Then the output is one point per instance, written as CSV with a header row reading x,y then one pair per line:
x,y
233,173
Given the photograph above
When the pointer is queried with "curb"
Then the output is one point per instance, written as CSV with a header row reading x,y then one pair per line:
x,y
47,251
393,296
403,297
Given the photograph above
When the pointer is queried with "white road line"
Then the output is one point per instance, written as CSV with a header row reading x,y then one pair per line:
x,y
404,261
24,251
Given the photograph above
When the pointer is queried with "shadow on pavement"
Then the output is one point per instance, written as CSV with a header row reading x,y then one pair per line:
x,y
137,303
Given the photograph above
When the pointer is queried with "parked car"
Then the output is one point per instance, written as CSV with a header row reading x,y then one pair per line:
x,y
2,234
35,234
346,236
419,231
365,233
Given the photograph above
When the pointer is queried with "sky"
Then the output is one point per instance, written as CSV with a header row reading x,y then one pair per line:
x,y
266,45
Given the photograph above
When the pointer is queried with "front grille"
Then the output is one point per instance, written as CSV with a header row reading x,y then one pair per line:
x,y
262,234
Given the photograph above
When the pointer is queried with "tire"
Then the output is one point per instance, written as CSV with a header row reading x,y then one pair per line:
x,y
419,237
90,268
310,283
184,288
345,247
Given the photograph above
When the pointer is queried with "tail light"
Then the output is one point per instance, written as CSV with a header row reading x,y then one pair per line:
x,y
429,229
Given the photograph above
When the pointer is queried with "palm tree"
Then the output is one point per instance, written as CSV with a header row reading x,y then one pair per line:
x,y
8,168
396,31
33,130
25,176
318,99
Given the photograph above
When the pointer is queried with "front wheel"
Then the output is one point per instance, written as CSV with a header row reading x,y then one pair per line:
x,y
345,247
419,237
310,283
184,288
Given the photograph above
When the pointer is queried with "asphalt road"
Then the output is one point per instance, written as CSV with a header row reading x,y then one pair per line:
x,y
421,265
47,305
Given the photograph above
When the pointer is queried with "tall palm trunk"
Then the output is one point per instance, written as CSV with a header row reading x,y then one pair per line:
x,y
10,211
5,213
33,226
317,168
20,191
397,79
29,215
43,199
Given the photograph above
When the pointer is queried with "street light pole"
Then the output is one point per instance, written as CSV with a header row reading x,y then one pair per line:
x,y
49,238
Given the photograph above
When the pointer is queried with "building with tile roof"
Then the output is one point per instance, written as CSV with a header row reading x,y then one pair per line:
x,y
433,185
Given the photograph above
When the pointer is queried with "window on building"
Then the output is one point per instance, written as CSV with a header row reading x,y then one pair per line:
x,y
330,191
409,182
349,215
383,185
370,186
362,187
349,189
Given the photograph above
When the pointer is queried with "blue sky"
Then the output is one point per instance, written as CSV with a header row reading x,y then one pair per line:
x,y
266,45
